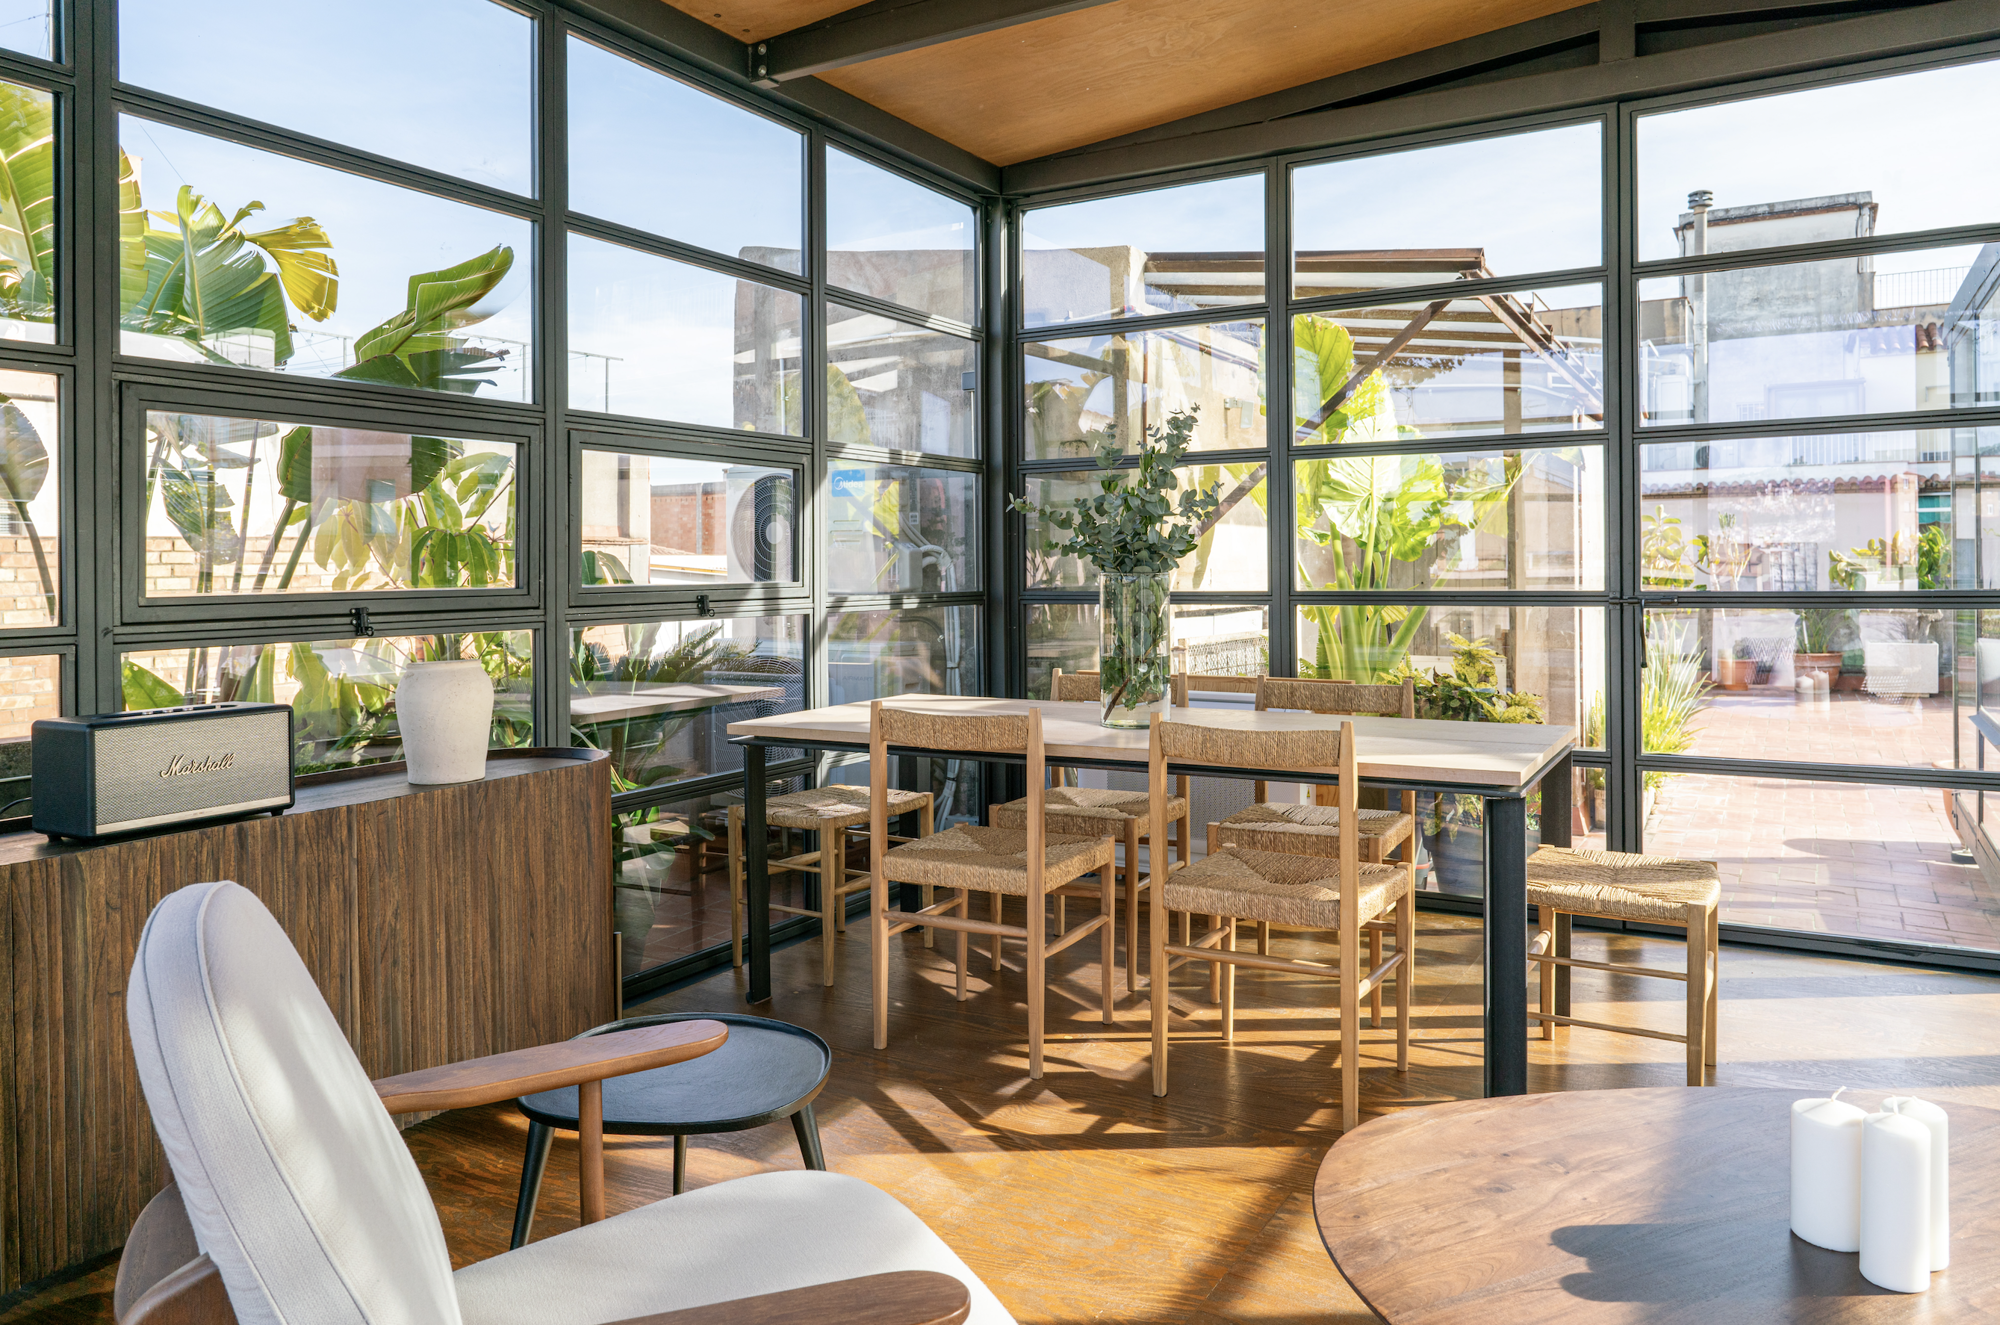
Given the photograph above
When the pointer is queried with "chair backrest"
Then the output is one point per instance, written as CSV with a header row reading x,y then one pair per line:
x,y
295,1181
1215,683
1382,701
997,733
1088,687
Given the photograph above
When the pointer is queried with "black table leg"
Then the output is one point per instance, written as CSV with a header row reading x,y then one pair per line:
x,y
756,876
1506,945
807,1129
1558,808
532,1166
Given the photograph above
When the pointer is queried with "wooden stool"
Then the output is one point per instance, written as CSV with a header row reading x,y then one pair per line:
x,y
831,812
1659,890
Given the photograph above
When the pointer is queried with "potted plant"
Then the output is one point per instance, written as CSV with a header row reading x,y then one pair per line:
x,y
1819,627
1134,533
1735,671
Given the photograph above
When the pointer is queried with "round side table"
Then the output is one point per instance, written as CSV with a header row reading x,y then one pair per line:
x,y
765,1072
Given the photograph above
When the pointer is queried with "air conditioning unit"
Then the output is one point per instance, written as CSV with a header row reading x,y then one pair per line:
x,y
757,512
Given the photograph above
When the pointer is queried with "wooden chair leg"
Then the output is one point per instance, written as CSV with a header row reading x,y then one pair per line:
x,y
926,825
1157,921
1187,928
736,885
996,937
1107,941
1715,982
878,953
1350,1031
832,902
1375,994
1062,914
1697,994
1406,974
1263,938
1037,965
1215,968
964,911
1546,942
1227,971
1131,906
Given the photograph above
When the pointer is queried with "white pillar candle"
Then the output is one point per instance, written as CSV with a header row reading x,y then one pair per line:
x,y
1896,1203
1826,1173
1932,1117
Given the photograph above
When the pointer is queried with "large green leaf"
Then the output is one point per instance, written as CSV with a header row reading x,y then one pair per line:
x,y
24,461
142,689
417,347
27,203
305,269
205,280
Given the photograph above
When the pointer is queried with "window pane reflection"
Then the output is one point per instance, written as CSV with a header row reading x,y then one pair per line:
x,y
254,506
1885,510
899,386
665,340
1904,331
1464,520
892,238
1208,639
30,501
660,695
1450,212
923,651
899,529
30,690
1233,554
28,253
1495,365
664,520
1082,391
342,691
1164,251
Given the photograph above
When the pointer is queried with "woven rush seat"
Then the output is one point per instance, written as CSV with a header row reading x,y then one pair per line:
x,y
1312,830
1085,811
824,808
1620,885
1283,889
993,860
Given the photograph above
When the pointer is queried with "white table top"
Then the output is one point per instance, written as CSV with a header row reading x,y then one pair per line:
x,y
1504,756
613,700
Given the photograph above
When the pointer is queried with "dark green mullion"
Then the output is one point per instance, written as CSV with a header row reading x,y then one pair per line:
x,y
814,367
1624,630
88,202
556,510
1281,513
1001,571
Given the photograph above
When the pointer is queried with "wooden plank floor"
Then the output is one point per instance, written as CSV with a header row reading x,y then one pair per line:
x,y
1081,1197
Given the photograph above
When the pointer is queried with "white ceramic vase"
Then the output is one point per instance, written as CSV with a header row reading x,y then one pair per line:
x,y
445,712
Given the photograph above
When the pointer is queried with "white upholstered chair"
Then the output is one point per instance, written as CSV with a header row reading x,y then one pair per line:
x,y
305,1207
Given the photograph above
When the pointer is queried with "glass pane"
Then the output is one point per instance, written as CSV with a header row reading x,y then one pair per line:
x,y
1834,857
648,151
29,26
1453,520
893,238
339,276
898,529
1165,251
664,520
1214,639
660,339
1232,556
449,84
1080,392
30,690
1525,661
1900,331
1061,635
28,228
342,691
30,501
954,785
899,386
671,896
1827,685
1507,206
1496,365
1826,163
660,695
250,506
921,651
1884,510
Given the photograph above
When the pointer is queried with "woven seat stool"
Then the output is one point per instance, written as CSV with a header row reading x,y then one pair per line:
x,y
1618,885
831,812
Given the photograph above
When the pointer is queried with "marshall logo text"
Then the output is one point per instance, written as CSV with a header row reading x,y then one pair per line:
x,y
181,766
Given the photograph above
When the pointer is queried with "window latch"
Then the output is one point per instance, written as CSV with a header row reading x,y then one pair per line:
x,y
702,606
359,617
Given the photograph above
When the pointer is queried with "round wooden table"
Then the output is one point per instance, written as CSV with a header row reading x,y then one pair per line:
x,y
1659,1205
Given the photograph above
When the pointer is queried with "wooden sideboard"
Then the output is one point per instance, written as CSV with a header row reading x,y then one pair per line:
x,y
441,923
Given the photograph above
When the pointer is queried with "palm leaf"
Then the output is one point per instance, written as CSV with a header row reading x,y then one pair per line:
x,y
27,203
308,273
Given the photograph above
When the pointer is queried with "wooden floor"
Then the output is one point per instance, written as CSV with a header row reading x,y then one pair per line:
x,y
1081,1197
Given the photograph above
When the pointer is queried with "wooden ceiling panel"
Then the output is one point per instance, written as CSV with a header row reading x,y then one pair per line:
x,y
754,20
1078,78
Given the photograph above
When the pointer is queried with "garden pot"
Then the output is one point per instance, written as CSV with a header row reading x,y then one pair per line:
x,y
1133,656
444,711
1735,673
1818,664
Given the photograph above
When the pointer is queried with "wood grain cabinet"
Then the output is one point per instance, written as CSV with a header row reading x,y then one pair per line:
x,y
441,923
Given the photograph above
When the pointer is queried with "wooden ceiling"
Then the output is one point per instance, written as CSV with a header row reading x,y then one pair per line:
x,y
1080,77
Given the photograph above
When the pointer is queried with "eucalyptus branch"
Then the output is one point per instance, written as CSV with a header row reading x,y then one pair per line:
x,y
1134,527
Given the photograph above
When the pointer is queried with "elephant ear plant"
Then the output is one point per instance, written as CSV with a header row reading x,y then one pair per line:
x,y
1135,531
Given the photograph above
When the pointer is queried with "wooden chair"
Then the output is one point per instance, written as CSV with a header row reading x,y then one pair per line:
x,y
832,812
294,1199
1307,892
1027,862
1618,885
1089,811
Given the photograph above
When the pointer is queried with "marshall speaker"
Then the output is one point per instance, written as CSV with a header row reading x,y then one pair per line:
x,y
122,772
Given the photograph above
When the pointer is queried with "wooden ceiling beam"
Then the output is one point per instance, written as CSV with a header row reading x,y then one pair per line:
x,y
890,27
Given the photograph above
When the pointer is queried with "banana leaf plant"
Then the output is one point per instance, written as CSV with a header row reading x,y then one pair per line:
x,y
27,204
24,470
420,346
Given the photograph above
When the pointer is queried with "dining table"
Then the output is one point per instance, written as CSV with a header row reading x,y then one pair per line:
x,y
1500,763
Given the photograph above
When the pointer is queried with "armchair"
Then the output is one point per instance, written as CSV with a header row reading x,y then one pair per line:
x,y
295,1200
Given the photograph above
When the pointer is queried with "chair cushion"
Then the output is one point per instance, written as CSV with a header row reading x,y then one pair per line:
x,y
1310,830
993,860
1620,884
761,1234
1303,891
1087,811
835,807
295,1180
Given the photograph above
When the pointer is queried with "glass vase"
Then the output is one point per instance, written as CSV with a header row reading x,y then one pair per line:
x,y
1134,658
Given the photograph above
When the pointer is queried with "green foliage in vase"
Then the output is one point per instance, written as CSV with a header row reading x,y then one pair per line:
x,y
1133,526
